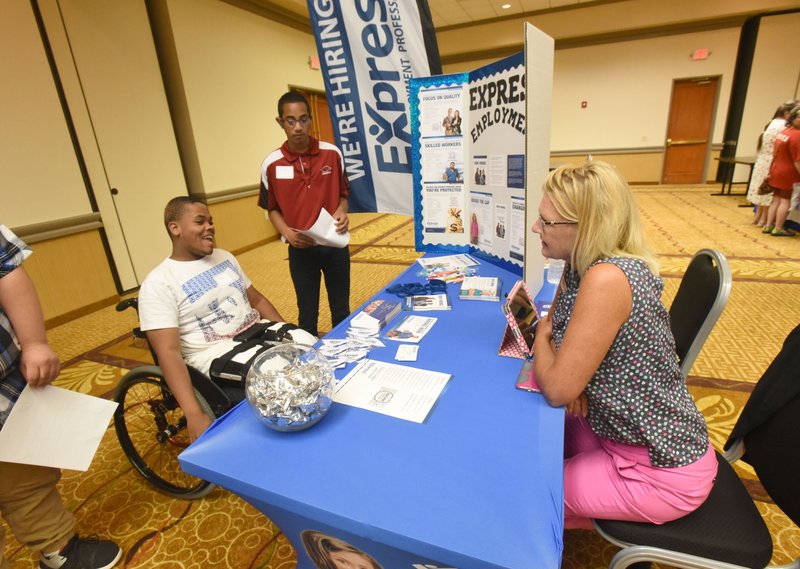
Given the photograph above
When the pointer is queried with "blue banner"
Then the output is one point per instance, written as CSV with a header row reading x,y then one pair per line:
x,y
369,50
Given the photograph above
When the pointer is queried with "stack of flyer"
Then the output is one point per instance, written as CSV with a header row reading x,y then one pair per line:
x,y
376,315
481,288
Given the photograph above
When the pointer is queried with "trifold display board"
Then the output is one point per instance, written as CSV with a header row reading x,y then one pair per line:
x,y
480,151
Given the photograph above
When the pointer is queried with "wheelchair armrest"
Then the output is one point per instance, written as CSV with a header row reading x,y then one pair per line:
x,y
128,303
211,392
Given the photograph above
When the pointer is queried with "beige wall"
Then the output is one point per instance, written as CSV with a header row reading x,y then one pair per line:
x,y
775,76
38,164
241,224
637,168
627,88
235,65
71,276
627,84
104,52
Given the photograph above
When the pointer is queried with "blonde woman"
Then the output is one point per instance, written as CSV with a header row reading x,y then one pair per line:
x,y
328,552
636,446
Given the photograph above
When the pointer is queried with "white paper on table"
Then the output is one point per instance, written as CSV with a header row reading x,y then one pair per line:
x,y
51,426
324,231
411,328
391,389
447,262
407,353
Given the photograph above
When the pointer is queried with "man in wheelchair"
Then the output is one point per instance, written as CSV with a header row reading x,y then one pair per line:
x,y
197,304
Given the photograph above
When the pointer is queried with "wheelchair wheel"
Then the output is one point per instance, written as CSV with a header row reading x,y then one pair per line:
x,y
151,429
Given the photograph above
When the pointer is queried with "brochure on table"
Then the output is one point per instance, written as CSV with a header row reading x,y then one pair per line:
x,y
477,187
398,391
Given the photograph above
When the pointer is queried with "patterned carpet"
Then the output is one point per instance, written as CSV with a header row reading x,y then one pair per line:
x,y
221,530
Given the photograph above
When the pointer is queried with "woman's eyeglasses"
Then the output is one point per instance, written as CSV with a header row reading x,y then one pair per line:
x,y
546,223
433,286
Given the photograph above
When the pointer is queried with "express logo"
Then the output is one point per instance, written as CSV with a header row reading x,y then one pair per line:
x,y
326,170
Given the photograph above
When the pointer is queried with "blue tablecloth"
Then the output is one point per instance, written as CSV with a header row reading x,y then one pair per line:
x,y
478,485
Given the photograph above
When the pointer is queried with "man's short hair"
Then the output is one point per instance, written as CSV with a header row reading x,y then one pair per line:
x,y
177,206
292,97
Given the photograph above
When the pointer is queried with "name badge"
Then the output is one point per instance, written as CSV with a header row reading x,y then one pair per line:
x,y
284,172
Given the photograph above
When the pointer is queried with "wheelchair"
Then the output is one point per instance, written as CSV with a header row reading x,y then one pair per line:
x,y
151,427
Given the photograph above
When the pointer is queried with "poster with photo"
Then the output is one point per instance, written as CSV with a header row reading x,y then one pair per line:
x,y
470,135
440,111
479,165
500,221
480,205
517,229
444,207
442,161
439,159
471,154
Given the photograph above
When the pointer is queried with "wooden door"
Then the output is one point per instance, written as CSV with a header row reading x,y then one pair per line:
x,y
688,143
321,127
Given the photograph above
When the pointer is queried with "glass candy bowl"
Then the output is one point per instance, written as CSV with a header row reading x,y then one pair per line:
x,y
290,387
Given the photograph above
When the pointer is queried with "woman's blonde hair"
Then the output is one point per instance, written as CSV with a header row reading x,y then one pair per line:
x,y
320,546
609,223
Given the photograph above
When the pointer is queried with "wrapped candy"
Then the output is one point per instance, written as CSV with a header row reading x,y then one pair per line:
x,y
290,387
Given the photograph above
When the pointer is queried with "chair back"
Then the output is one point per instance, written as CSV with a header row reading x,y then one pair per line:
x,y
133,302
698,304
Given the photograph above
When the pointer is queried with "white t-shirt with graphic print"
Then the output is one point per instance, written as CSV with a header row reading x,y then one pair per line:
x,y
206,300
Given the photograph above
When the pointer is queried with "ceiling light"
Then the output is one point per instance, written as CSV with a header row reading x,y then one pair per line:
x,y
506,6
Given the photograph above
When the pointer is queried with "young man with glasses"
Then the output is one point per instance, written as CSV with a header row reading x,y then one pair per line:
x,y
298,180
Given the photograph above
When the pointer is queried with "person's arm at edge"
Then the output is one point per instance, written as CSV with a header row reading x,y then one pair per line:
x,y
603,304
293,237
261,303
580,405
166,343
340,215
38,362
